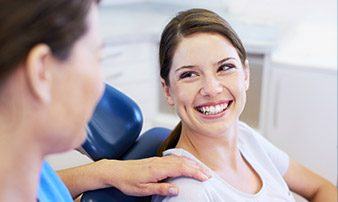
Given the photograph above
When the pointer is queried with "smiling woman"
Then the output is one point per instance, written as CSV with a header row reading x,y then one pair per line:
x,y
205,76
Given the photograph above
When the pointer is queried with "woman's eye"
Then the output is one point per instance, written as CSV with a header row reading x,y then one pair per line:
x,y
188,75
226,67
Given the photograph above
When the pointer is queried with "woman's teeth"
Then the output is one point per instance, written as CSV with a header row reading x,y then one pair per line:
x,y
209,110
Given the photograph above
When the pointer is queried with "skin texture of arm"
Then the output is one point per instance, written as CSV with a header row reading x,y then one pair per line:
x,y
308,184
132,177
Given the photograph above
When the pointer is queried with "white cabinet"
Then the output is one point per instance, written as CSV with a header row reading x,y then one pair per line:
x,y
302,116
253,108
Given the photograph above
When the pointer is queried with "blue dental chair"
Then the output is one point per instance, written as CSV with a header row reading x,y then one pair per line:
x,y
113,133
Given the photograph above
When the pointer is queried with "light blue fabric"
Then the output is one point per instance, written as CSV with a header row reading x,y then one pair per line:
x,y
51,188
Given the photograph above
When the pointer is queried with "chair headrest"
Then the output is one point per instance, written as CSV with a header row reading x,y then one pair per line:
x,y
147,144
114,127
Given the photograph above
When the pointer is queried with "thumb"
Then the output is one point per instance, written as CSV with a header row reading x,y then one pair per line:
x,y
163,189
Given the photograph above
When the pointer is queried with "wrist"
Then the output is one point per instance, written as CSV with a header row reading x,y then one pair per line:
x,y
106,174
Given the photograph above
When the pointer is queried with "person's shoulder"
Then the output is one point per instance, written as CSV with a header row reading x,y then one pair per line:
x,y
251,136
250,139
247,133
187,183
259,146
189,190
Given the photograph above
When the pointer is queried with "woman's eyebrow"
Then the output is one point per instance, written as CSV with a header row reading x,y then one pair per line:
x,y
218,63
224,60
185,67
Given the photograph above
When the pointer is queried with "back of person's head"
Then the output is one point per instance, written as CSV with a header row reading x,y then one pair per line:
x,y
49,61
185,24
24,24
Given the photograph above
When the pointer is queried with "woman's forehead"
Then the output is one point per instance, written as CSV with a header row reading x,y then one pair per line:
x,y
203,48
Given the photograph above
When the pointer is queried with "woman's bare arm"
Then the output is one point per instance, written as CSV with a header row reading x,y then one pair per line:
x,y
308,184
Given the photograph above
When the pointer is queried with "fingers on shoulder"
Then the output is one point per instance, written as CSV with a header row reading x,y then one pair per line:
x,y
189,190
162,189
184,166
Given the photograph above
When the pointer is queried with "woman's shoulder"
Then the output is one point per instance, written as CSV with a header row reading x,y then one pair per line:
x,y
251,139
247,134
245,128
188,185
189,190
255,144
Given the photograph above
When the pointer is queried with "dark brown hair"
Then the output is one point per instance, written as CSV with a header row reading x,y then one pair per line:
x,y
26,23
185,24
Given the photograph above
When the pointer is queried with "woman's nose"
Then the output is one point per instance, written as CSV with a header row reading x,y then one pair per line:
x,y
211,87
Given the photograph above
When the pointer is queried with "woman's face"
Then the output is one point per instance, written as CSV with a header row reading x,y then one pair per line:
x,y
208,83
77,86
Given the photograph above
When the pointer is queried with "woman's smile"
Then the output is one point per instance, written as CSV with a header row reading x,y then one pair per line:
x,y
214,110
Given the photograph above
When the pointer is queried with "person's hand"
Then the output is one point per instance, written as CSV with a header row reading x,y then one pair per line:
x,y
143,177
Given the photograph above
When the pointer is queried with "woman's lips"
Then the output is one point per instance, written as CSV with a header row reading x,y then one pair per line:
x,y
214,110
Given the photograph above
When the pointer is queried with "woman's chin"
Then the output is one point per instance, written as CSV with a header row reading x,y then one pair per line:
x,y
217,127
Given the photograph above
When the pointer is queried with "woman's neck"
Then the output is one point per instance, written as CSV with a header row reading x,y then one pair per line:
x,y
218,153
21,160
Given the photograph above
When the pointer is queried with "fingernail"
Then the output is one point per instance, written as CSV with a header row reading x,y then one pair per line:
x,y
204,177
207,173
173,191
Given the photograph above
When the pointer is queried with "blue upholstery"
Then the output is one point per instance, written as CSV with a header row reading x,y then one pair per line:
x,y
114,127
148,144
113,134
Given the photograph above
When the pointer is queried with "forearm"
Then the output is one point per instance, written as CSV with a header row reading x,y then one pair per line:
x,y
133,177
82,178
326,192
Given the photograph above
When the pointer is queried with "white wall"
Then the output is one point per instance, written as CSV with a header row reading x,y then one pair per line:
x,y
290,11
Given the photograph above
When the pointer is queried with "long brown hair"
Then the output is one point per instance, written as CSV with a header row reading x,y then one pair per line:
x,y
185,24
24,24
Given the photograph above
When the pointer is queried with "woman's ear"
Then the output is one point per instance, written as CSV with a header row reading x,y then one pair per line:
x,y
167,93
246,74
38,73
